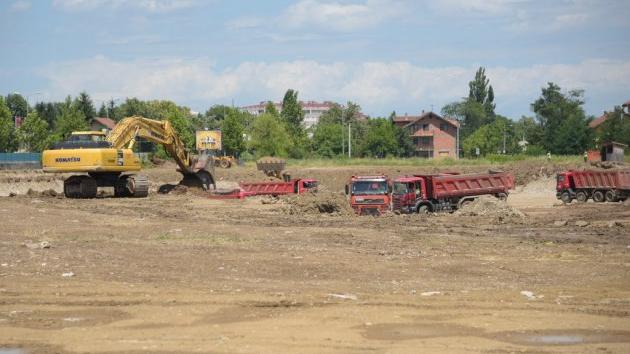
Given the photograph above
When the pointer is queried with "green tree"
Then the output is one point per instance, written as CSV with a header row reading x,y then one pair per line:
x,y
380,139
615,128
17,105
102,111
292,113
232,130
481,91
270,108
528,129
562,120
70,119
492,138
84,104
48,112
33,133
269,136
327,139
8,142
470,113
332,116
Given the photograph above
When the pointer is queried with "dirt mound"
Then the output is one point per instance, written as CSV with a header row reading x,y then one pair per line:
x,y
176,189
322,202
45,193
489,206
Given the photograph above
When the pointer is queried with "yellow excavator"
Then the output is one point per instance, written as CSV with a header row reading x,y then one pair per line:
x,y
104,160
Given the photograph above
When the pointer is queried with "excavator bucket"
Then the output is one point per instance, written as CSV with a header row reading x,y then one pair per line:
x,y
201,174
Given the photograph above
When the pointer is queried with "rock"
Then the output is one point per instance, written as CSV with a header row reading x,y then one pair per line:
x,y
37,245
581,223
528,294
344,296
560,223
614,223
67,275
430,293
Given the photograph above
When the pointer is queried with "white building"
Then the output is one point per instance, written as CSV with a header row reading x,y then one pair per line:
x,y
312,110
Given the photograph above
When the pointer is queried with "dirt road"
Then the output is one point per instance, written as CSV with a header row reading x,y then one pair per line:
x,y
186,274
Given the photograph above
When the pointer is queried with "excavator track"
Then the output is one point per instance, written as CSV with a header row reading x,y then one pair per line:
x,y
80,187
136,186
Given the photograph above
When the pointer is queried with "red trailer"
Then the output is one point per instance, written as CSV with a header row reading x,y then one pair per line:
x,y
600,185
248,189
296,186
446,191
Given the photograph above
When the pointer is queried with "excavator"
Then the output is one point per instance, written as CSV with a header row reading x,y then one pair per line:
x,y
105,160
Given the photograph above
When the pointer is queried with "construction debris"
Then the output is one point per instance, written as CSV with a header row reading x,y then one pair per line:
x,y
489,206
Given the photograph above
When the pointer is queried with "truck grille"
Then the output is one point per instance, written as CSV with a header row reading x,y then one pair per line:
x,y
370,201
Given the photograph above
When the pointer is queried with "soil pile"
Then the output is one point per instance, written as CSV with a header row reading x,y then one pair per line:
x,y
323,202
489,206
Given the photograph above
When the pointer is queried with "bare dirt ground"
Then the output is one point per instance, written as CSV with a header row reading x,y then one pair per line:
x,y
187,274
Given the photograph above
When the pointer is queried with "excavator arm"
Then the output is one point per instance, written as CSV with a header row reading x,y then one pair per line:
x,y
162,132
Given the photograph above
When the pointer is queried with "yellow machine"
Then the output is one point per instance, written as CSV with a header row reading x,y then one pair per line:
x,y
210,141
106,158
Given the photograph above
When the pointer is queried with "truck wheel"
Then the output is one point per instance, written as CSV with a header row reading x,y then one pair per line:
x,y
423,209
581,196
611,196
566,198
224,164
598,196
502,196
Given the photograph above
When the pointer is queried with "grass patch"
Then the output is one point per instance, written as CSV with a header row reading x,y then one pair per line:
x,y
487,160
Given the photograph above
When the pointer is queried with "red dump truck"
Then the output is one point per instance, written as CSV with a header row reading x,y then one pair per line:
x,y
604,185
369,195
446,191
248,189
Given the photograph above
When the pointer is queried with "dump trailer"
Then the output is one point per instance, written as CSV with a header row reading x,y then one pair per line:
x,y
250,189
369,195
446,191
296,186
600,185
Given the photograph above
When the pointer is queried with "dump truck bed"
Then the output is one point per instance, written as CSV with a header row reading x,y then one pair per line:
x,y
454,185
609,179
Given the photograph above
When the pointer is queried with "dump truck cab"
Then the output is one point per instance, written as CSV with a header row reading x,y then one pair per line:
x,y
406,191
369,195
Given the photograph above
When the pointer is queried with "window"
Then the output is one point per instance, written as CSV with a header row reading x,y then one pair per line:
x,y
425,127
443,127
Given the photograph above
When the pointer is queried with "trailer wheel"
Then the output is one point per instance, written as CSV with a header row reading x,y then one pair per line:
x,y
566,198
423,209
502,196
581,196
598,196
611,196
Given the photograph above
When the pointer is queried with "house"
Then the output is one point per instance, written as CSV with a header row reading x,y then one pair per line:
x,y
626,107
596,123
102,124
312,110
433,136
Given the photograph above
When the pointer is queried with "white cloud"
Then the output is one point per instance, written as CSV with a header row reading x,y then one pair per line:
x,y
148,5
379,87
340,16
21,5
475,7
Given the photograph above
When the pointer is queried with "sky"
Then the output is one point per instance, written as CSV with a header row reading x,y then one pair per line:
x,y
386,55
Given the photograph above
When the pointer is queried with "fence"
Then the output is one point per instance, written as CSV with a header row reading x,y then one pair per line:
x,y
20,160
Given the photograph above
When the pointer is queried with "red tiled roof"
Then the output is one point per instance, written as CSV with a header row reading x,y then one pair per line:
x,y
596,122
106,122
413,119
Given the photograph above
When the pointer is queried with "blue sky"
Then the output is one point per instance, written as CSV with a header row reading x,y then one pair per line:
x,y
385,55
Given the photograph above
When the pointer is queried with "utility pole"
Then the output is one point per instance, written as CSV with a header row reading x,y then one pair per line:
x,y
349,140
504,141
457,152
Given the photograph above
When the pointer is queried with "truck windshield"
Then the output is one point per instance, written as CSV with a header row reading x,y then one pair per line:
x,y
400,188
369,187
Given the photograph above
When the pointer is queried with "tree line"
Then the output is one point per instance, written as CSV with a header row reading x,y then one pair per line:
x,y
559,125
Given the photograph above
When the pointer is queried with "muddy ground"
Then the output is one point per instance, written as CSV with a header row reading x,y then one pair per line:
x,y
181,273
